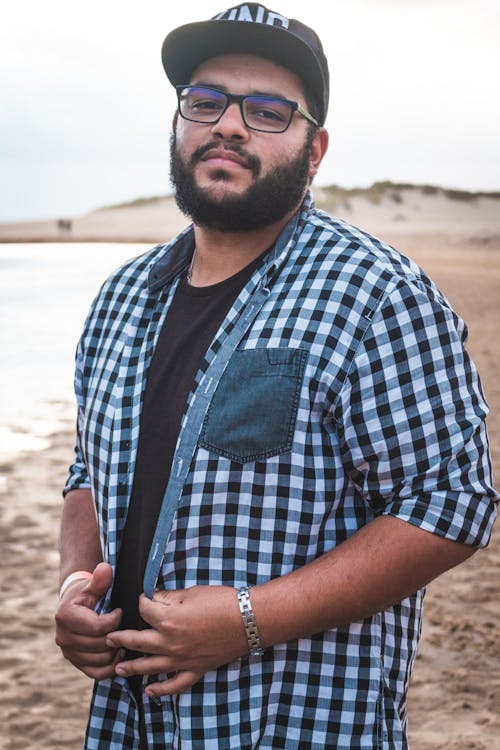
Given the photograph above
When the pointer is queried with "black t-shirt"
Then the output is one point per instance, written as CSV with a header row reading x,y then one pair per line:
x,y
192,321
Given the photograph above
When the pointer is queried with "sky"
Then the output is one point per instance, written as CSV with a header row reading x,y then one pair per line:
x,y
85,107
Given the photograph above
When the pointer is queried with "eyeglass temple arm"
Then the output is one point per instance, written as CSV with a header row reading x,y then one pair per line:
x,y
306,114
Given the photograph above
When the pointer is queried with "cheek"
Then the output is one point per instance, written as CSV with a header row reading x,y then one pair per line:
x,y
279,155
187,135
180,137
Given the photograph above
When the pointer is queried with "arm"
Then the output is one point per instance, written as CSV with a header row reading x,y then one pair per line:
x,y
79,545
201,628
80,632
380,565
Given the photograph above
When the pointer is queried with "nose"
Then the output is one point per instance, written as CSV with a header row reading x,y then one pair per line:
x,y
231,124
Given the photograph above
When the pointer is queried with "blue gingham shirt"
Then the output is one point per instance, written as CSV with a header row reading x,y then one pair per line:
x,y
336,390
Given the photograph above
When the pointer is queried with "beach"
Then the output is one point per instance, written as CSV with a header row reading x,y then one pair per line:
x,y
455,692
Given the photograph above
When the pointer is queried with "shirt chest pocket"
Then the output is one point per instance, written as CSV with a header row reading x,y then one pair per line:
x,y
253,411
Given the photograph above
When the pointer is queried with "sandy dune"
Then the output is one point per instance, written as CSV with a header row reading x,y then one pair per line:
x,y
381,209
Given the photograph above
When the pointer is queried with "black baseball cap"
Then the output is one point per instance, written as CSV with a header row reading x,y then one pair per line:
x,y
253,29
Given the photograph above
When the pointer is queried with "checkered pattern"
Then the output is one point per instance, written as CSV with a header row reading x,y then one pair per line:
x,y
389,420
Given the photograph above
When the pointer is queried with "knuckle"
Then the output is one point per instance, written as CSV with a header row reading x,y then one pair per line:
x,y
60,641
164,626
176,649
97,628
66,650
72,658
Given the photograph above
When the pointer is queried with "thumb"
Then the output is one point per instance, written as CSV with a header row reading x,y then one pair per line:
x,y
101,580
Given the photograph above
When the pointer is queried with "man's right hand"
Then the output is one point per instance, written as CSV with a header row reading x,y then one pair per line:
x,y
81,632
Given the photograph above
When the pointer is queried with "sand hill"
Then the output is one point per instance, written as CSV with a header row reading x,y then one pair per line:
x,y
382,208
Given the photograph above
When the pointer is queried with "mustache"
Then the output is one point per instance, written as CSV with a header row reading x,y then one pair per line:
x,y
252,162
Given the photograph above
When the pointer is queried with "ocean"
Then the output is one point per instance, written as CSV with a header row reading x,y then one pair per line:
x,y
45,293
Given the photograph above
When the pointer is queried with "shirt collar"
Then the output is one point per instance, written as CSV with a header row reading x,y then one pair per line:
x,y
176,255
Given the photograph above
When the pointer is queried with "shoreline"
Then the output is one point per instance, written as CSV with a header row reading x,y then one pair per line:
x,y
34,433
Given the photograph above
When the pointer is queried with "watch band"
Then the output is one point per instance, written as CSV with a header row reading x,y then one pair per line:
x,y
249,622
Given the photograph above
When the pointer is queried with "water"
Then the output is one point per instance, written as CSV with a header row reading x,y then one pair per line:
x,y
45,293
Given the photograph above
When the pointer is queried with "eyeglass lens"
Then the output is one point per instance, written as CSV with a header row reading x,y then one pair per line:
x,y
259,112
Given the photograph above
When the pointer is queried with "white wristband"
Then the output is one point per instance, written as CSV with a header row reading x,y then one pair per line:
x,y
78,575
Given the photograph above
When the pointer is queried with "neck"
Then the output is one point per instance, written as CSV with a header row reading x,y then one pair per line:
x,y
219,254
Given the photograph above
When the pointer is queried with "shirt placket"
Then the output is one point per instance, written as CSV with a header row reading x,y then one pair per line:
x,y
141,334
199,403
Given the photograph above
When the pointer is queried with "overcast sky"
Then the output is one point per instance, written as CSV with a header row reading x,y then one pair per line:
x,y
85,107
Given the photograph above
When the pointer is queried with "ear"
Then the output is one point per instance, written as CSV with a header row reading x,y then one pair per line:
x,y
319,147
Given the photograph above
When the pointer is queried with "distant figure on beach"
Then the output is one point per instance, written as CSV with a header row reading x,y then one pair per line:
x,y
64,225
281,438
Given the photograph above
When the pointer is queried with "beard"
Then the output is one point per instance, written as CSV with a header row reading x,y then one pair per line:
x,y
268,199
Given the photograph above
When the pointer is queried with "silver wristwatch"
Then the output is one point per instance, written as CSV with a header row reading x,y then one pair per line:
x,y
250,623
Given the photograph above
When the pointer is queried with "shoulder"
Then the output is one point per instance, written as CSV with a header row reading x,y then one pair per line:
x,y
128,291
133,274
341,255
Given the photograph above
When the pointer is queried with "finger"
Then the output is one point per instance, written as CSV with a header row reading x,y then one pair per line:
x,y
85,644
84,659
154,611
146,641
101,580
144,665
98,673
166,596
83,621
181,682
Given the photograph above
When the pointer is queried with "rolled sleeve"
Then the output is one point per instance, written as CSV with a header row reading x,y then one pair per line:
x,y
411,419
78,477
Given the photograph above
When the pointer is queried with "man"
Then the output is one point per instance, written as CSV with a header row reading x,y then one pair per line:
x,y
281,438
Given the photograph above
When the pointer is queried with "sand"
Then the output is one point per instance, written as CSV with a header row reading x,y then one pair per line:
x,y
381,209
455,693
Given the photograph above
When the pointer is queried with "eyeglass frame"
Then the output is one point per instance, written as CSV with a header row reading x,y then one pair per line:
x,y
239,99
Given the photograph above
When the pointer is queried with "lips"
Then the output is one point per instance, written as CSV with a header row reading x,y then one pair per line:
x,y
225,155
221,154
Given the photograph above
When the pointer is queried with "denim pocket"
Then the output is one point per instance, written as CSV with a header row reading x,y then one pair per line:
x,y
254,408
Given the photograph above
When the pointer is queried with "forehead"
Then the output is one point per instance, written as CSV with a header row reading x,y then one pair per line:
x,y
242,74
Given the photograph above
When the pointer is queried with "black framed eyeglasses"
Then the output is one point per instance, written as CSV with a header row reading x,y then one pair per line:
x,y
268,114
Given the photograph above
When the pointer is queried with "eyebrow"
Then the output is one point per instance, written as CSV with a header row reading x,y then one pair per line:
x,y
225,90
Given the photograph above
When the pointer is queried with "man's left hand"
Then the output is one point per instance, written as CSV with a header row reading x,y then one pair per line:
x,y
192,632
